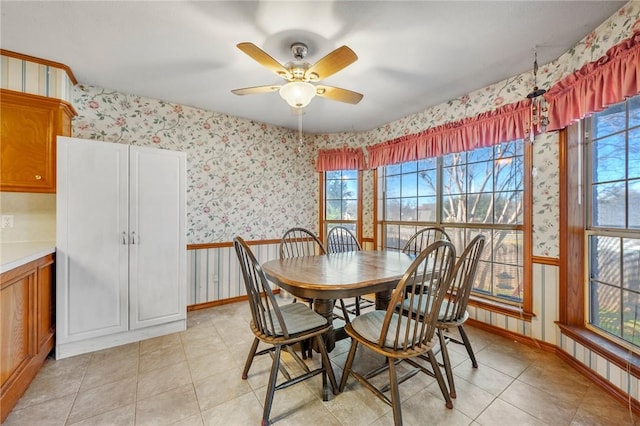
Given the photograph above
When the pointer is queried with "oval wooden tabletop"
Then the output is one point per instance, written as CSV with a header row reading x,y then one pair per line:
x,y
338,275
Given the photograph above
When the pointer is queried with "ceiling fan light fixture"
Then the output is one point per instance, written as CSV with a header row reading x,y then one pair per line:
x,y
298,94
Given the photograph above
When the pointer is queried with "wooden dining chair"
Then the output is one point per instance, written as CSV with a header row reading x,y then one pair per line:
x,y
280,327
421,239
340,240
400,337
453,312
298,242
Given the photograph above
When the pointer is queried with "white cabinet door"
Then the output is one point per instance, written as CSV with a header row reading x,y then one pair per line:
x,y
157,285
92,247
121,244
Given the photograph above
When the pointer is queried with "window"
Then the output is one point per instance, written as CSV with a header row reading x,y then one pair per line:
x,y
341,200
612,179
468,193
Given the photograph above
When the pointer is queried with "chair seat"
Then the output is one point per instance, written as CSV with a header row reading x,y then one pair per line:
x,y
455,322
299,319
443,319
368,325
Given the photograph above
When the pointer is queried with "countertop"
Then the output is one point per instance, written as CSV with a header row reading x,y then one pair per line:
x,y
13,255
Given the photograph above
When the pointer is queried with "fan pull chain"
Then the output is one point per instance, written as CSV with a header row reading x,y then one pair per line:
x,y
300,139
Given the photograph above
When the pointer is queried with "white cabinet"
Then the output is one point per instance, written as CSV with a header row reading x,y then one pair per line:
x,y
121,244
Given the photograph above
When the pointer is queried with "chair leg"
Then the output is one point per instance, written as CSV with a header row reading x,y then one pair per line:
x,y
345,313
250,356
347,364
467,344
306,349
326,364
357,306
395,394
447,363
440,379
271,387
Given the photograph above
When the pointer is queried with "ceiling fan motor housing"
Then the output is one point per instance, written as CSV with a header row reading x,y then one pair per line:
x,y
299,50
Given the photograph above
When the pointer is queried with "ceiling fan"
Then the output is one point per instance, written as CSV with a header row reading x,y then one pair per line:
x,y
301,75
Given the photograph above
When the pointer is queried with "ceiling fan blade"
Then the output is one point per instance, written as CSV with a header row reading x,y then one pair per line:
x,y
264,59
331,64
338,94
254,90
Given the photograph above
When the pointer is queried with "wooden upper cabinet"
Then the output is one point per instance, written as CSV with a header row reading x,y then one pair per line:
x,y
30,124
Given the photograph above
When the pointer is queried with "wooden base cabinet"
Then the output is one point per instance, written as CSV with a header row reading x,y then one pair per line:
x,y
30,124
121,244
27,327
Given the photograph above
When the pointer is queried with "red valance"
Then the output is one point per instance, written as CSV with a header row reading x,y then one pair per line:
x,y
596,85
340,159
503,124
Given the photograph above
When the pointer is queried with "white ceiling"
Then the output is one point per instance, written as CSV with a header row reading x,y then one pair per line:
x,y
412,55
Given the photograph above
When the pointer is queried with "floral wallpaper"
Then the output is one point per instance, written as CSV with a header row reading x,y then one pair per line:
x,y
248,178
243,177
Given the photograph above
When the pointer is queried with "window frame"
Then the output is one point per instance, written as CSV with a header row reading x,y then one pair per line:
x,y
324,222
600,230
522,310
572,268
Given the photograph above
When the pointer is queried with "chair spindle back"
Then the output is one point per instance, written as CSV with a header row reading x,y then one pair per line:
x,y
455,305
265,312
341,239
425,283
297,242
423,238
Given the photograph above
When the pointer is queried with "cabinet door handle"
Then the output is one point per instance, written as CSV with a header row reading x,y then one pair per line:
x,y
38,177
133,238
124,238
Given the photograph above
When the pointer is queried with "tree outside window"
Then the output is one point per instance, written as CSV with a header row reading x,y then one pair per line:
x,y
468,193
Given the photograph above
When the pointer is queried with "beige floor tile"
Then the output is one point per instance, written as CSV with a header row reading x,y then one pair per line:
x,y
201,346
556,377
426,409
117,352
311,412
44,388
70,368
548,408
505,362
503,413
105,370
100,399
220,388
471,400
160,342
599,408
163,379
161,358
195,420
243,410
485,377
167,408
123,416
289,401
356,405
210,364
52,412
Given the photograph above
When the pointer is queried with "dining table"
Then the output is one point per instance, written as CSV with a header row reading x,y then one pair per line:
x,y
328,277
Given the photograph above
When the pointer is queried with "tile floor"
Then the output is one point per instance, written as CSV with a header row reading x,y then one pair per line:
x,y
193,378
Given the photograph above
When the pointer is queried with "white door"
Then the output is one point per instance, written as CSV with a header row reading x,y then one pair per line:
x,y
92,239
158,236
